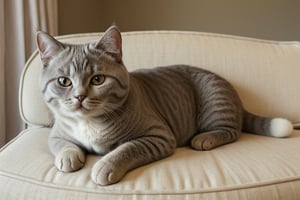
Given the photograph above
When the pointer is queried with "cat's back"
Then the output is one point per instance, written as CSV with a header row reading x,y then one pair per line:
x,y
170,81
173,74
173,80
170,92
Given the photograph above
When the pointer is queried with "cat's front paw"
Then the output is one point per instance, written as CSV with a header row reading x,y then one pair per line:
x,y
69,160
204,142
106,173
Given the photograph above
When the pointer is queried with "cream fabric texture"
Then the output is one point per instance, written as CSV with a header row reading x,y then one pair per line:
x,y
266,75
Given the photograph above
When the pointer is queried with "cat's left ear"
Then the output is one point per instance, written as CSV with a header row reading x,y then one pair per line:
x,y
111,43
48,46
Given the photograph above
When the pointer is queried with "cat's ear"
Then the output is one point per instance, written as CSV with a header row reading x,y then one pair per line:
x,y
111,43
48,46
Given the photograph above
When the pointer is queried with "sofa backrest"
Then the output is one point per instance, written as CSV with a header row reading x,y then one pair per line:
x,y
265,73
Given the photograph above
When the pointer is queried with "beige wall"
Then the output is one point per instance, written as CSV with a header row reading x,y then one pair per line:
x,y
267,19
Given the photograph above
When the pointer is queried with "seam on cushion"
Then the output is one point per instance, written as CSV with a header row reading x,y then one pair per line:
x,y
13,140
21,90
194,33
213,35
103,190
20,135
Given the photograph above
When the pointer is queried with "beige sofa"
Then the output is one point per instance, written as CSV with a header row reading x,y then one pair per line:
x,y
267,77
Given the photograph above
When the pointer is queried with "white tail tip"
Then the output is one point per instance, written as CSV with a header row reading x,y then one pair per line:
x,y
281,127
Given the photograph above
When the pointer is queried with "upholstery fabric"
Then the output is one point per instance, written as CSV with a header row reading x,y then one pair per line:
x,y
254,167
265,73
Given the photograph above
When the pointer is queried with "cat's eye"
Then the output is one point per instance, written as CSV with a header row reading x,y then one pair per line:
x,y
64,81
97,80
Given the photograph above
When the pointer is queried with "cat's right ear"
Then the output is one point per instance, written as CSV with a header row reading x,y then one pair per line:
x,y
111,43
48,46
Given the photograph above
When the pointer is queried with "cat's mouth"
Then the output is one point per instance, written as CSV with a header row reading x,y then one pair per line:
x,y
80,108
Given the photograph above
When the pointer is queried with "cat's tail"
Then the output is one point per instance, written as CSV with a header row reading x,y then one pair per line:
x,y
274,127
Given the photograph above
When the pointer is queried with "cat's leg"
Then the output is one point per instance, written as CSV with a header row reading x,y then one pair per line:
x,y
212,139
219,112
68,156
113,166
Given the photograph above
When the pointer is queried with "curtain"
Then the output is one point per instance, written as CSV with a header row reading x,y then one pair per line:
x,y
19,20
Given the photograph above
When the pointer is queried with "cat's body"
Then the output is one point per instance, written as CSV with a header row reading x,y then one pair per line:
x,y
139,117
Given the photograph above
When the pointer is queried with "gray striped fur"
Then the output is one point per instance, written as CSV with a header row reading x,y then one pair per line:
x,y
132,118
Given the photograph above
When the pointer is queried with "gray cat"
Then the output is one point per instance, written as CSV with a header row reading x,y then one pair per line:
x,y
135,118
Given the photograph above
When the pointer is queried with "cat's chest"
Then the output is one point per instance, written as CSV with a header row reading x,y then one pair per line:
x,y
92,135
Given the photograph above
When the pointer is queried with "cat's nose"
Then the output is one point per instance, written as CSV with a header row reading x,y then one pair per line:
x,y
80,98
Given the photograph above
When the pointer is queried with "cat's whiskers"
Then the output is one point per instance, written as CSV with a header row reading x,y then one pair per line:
x,y
92,103
67,101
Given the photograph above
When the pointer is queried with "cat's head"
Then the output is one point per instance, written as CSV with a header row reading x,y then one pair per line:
x,y
83,79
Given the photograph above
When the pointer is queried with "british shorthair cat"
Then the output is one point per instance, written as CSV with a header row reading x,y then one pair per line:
x,y
134,118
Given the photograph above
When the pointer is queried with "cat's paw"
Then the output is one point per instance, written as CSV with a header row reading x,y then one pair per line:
x,y
204,142
106,173
69,160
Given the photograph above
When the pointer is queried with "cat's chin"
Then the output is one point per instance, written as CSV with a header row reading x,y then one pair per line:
x,y
85,113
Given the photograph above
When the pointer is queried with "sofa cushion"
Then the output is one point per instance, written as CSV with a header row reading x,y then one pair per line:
x,y
265,73
254,167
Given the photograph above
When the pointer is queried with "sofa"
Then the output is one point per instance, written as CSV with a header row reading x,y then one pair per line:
x,y
266,76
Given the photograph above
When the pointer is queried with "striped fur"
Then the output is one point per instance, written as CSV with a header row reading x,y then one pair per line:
x,y
135,118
